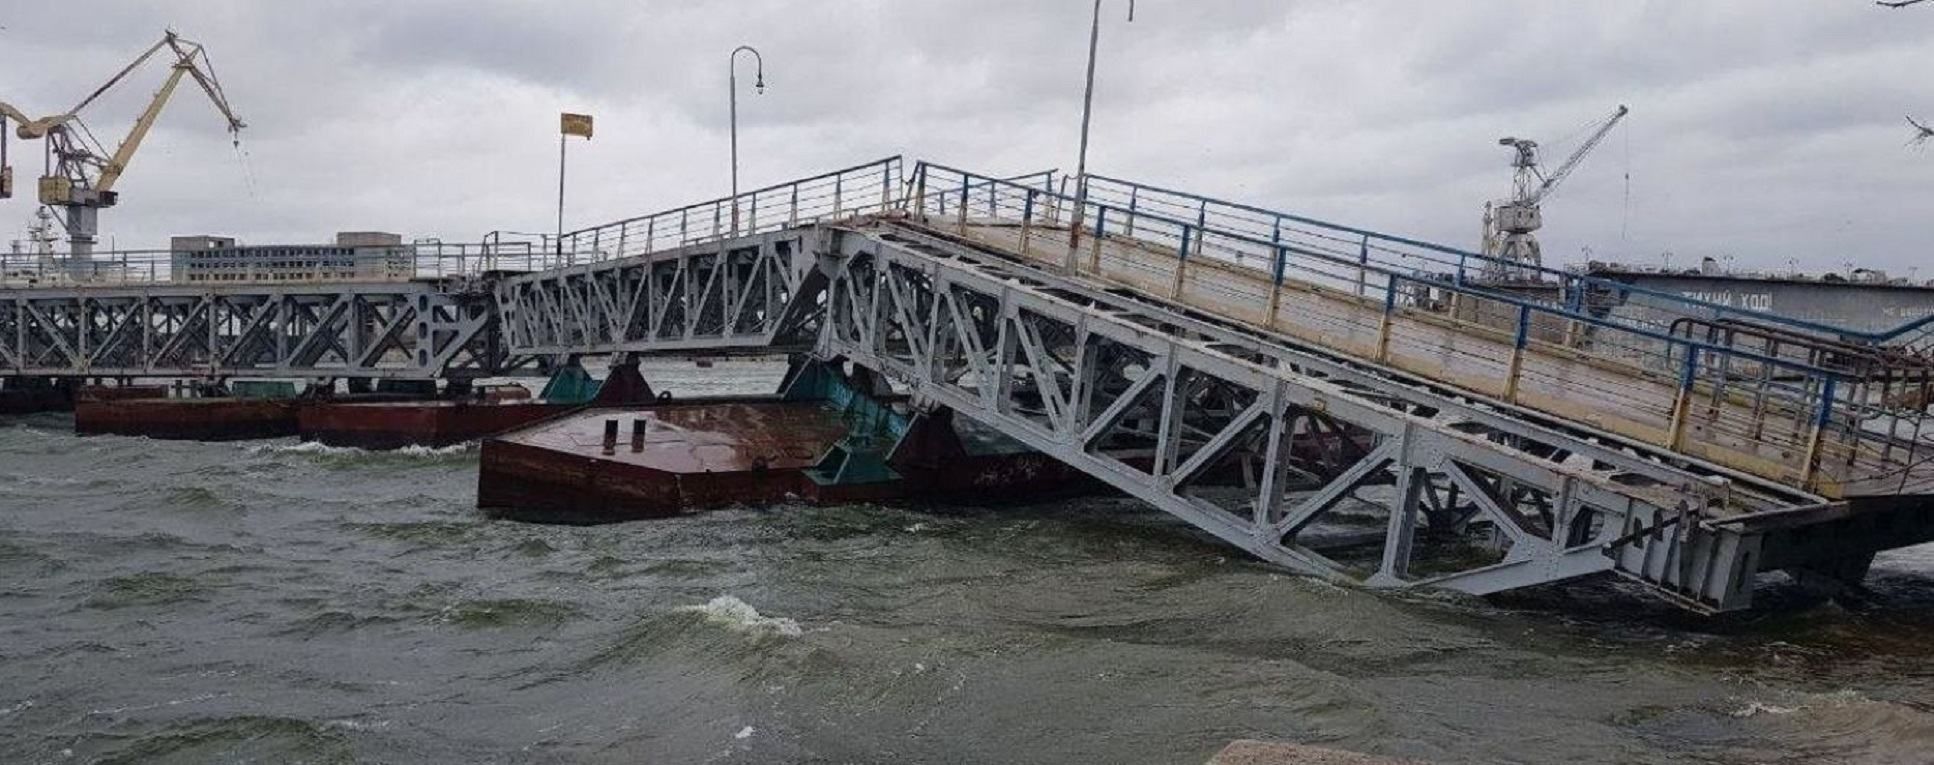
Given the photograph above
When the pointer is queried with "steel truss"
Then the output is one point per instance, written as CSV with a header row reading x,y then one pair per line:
x,y
1280,452
419,329
748,293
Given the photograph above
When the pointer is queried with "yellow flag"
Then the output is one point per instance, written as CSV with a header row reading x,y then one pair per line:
x,y
575,124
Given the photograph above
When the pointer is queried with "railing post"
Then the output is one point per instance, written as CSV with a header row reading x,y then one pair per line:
x,y
886,186
963,202
1517,354
1389,317
1027,220
1101,230
839,191
1276,288
1682,405
752,226
1362,260
1201,226
920,191
1575,305
792,206
1825,417
651,234
1181,264
1134,201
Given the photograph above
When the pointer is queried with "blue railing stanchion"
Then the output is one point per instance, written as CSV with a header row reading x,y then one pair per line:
x,y
1362,257
1516,370
1201,226
1682,403
1389,318
1820,422
1181,263
1280,262
1027,219
1101,230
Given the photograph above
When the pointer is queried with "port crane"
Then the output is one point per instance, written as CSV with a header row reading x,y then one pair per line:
x,y
1510,227
81,174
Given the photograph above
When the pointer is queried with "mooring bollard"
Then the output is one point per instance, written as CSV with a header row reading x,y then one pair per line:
x,y
610,436
638,434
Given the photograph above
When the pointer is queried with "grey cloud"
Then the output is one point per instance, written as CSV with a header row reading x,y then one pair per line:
x,y
1769,129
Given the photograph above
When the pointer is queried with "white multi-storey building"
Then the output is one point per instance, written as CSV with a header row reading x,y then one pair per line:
x,y
357,256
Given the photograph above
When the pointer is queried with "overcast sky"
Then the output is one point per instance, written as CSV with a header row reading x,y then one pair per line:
x,y
1769,130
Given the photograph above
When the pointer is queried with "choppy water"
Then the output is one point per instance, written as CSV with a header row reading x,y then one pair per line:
x,y
271,602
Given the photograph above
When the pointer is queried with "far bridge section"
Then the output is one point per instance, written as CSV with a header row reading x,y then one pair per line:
x,y
126,317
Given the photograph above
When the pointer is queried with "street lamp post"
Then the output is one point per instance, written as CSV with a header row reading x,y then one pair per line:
x,y
1087,114
759,83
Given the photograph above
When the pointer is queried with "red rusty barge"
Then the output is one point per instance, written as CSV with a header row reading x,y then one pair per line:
x,y
820,442
261,410
489,410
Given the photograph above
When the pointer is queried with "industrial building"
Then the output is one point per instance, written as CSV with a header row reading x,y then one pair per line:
x,y
356,256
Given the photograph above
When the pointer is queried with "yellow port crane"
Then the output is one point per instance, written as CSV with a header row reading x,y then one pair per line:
x,y
81,174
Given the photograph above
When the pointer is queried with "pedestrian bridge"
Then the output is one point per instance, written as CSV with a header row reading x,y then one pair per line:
x,y
1342,402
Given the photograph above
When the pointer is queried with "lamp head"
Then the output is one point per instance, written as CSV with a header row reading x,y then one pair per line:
x,y
760,85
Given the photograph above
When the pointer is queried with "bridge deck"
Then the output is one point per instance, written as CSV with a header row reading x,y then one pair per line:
x,y
1767,411
1562,380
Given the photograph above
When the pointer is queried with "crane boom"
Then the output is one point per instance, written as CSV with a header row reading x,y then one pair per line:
x,y
1571,163
184,65
84,175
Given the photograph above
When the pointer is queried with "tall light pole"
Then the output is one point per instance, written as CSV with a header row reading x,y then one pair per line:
x,y
1087,114
759,63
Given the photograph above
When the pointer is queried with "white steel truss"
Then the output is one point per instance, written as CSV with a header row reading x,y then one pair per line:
x,y
420,329
745,293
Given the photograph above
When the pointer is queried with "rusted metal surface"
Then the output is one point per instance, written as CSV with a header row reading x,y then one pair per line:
x,y
493,409
677,457
659,461
417,423
696,438
938,462
188,419
120,392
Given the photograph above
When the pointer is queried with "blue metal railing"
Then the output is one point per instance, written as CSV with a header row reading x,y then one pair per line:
x,y
1133,195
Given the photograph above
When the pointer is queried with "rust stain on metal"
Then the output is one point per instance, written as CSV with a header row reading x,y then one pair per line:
x,y
719,437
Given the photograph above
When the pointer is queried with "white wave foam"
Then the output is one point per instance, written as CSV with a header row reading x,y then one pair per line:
x,y
317,447
1754,708
744,733
434,451
1805,702
735,613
